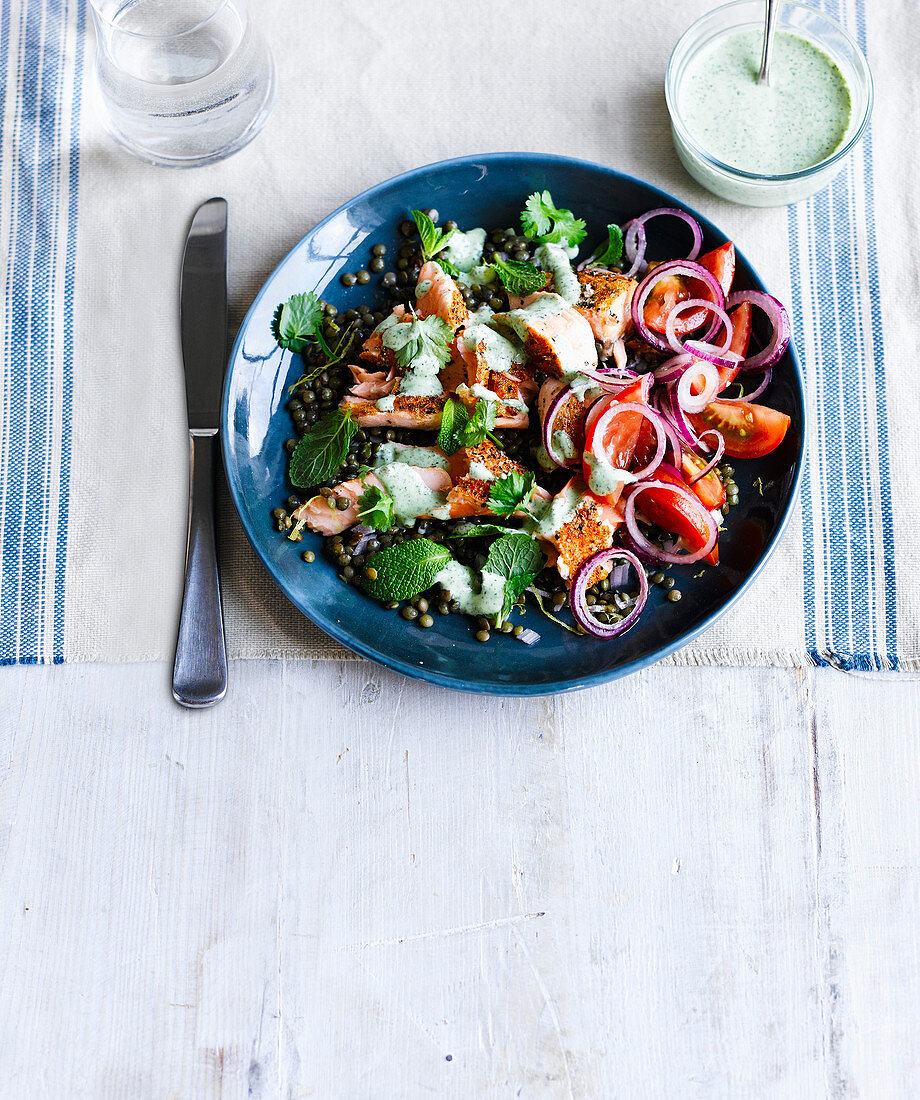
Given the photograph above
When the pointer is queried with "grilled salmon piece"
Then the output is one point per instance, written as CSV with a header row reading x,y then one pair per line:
x,y
422,414
590,529
440,296
373,351
372,385
470,493
558,339
328,519
605,302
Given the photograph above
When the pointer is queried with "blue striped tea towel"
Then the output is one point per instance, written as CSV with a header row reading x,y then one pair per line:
x,y
93,458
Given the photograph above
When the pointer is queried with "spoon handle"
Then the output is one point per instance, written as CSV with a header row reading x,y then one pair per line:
x,y
769,30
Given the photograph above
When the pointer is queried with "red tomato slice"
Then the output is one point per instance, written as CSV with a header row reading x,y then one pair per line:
x,y
709,489
673,512
749,431
741,318
673,289
621,434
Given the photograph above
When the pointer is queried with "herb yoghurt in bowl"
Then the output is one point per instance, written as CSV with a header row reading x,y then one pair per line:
x,y
766,144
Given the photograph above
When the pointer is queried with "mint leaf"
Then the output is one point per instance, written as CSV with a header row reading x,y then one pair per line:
x,y
518,559
375,509
323,449
299,322
479,530
542,220
511,493
613,253
519,277
405,570
422,335
453,423
448,267
433,239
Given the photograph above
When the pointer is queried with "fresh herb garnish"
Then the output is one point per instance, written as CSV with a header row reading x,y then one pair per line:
x,y
480,530
459,429
548,224
433,239
322,449
376,509
299,321
511,493
448,267
406,569
576,629
342,348
519,277
758,485
422,335
518,559
613,253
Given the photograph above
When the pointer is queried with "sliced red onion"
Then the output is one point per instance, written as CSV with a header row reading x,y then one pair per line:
x,y
549,420
718,313
696,402
645,288
720,450
673,368
580,609
779,319
719,357
634,240
615,408
671,410
649,547
767,378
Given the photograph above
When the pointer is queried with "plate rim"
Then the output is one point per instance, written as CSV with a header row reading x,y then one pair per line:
x,y
433,676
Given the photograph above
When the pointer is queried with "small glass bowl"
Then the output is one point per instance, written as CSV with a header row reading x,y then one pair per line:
x,y
751,188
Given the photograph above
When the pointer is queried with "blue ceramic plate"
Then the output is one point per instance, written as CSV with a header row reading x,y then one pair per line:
x,y
488,190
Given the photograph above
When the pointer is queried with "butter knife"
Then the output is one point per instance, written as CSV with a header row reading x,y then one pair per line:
x,y
200,670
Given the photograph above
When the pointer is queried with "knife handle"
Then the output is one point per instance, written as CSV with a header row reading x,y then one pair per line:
x,y
200,671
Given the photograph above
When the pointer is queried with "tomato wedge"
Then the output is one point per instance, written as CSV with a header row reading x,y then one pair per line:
x,y
709,488
673,512
669,291
749,431
619,442
740,318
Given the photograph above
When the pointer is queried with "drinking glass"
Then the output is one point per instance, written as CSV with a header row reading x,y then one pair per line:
x,y
183,82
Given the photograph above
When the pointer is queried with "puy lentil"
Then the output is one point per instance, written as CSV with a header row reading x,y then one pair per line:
x,y
674,595
409,613
379,250
347,279
425,621
482,635
308,556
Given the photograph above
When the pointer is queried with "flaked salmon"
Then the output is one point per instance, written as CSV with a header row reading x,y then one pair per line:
x,y
436,294
557,338
605,302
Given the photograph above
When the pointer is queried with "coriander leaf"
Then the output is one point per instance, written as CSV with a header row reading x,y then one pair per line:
x,y
405,570
518,559
520,277
433,239
323,449
542,220
454,421
613,253
299,321
479,530
511,493
480,423
375,508
420,336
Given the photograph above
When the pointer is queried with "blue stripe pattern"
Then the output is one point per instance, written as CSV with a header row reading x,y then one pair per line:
x,y
38,385
841,506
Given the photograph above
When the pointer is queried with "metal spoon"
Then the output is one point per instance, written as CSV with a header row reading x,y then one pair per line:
x,y
769,29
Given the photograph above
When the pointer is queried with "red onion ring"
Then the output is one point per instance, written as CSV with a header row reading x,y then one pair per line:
x,y
694,403
779,318
648,547
613,409
645,288
551,413
720,450
673,368
719,315
634,240
601,404
767,378
579,602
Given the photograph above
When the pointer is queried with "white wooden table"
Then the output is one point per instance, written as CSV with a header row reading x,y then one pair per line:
x,y
342,884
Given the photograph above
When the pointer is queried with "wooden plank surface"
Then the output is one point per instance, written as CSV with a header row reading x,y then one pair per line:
x,y
340,883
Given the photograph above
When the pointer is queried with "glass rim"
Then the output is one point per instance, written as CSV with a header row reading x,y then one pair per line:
x,y
110,23
863,71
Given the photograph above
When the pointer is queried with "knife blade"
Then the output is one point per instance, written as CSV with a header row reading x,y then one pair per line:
x,y
200,669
